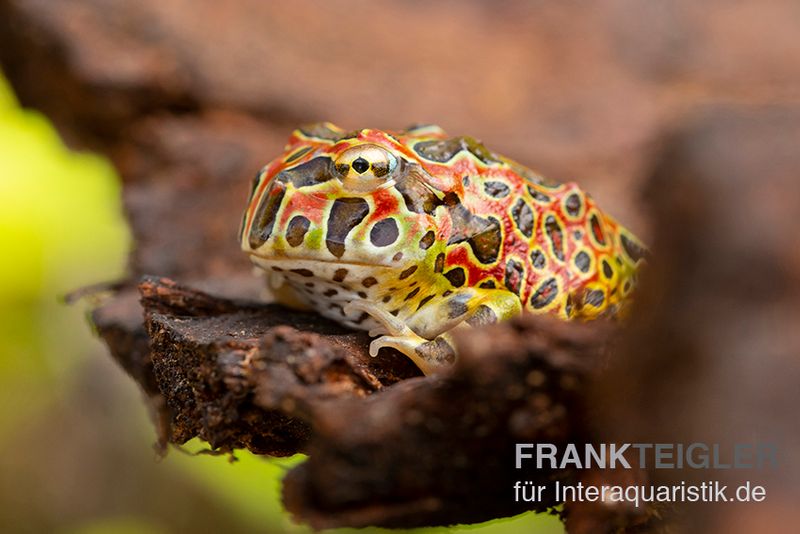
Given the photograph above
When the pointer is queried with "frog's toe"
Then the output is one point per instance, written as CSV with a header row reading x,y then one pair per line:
x,y
428,355
389,322
400,343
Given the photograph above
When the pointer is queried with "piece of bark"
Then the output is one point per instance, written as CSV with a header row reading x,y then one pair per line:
x,y
440,450
712,354
427,450
211,357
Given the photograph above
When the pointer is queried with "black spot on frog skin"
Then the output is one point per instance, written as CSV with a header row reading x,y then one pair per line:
x,y
608,271
369,281
330,292
515,275
264,217
573,205
595,297
597,229
438,265
556,236
483,235
321,130
538,259
522,215
339,275
427,240
345,214
570,305
296,230
443,150
417,195
483,315
456,276
634,251
545,294
488,284
424,301
539,196
298,154
302,272
316,171
384,232
408,272
583,261
412,294
496,189
353,134
486,244
386,298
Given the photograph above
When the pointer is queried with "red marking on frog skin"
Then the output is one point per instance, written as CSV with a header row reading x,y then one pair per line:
x,y
269,173
459,257
385,204
311,206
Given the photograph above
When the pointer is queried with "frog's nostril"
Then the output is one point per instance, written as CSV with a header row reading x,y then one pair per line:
x,y
360,165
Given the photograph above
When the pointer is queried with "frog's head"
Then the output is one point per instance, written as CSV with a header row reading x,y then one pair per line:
x,y
358,198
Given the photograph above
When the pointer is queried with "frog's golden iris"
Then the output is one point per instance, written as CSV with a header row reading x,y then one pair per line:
x,y
365,167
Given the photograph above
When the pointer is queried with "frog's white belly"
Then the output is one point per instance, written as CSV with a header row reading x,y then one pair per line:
x,y
328,288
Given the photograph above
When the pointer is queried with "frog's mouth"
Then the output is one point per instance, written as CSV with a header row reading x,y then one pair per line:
x,y
288,263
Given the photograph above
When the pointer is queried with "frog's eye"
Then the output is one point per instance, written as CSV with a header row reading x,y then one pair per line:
x,y
365,167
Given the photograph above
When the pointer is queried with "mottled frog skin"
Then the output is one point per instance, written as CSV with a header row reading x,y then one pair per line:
x,y
413,234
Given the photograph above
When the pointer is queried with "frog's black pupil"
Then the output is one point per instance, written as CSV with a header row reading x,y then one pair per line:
x,y
360,165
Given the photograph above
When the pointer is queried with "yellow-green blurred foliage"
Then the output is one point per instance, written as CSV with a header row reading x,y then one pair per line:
x,y
75,440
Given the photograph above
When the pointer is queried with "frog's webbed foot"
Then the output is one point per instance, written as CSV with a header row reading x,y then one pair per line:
x,y
426,354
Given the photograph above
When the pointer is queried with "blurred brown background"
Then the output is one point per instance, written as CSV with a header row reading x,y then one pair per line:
x,y
188,98
202,93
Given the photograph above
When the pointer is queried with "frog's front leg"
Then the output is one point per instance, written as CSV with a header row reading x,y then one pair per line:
x,y
398,336
426,335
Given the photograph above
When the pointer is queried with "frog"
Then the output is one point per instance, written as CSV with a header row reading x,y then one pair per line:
x,y
413,235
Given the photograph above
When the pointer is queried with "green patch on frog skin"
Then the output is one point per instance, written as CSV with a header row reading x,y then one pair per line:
x,y
279,243
314,238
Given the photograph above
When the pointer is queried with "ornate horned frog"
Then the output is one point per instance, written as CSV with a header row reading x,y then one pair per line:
x,y
412,234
